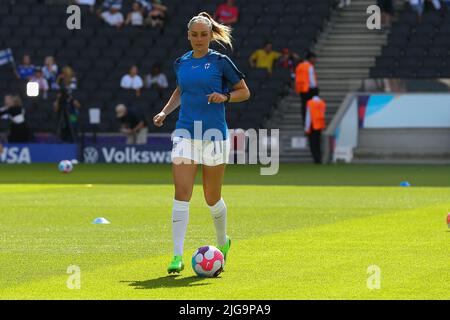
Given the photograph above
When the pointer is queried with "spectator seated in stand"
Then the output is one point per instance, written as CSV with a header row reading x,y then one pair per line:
x,y
156,13
113,17
227,13
26,70
108,4
43,84
90,3
156,79
50,71
132,81
135,17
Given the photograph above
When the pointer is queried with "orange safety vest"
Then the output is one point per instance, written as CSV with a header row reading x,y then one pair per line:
x,y
316,107
302,84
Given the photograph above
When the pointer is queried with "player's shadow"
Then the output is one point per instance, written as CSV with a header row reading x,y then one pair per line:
x,y
171,281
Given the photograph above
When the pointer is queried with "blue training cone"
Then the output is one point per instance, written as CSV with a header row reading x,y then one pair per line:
x,y
101,221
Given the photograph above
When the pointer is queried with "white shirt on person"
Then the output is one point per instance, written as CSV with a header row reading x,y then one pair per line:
x,y
115,19
129,82
137,19
86,2
42,82
312,77
160,80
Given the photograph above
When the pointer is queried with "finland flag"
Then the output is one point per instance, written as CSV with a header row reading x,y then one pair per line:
x,y
6,56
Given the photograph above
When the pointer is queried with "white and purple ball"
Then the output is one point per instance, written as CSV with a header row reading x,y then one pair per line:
x,y
207,261
65,166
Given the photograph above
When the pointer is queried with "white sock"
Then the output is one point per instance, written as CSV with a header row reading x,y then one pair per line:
x,y
180,218
219,215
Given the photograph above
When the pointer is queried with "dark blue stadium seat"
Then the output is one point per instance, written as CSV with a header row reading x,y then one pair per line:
x,y
11,21
4,10
23,32
20,10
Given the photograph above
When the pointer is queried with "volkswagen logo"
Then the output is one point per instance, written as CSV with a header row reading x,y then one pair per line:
x,y
90,155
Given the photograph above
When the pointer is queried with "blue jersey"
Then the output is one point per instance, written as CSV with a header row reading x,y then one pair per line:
x,y
198,77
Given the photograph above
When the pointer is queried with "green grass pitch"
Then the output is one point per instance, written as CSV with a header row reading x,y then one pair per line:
x,y
310,232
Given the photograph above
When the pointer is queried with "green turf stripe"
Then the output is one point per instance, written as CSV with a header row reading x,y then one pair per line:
x,y
288,174
328,261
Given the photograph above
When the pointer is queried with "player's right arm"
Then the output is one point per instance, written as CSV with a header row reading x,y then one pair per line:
x,y
173,103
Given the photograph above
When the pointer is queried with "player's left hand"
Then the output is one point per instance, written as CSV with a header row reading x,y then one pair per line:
x,y
216,98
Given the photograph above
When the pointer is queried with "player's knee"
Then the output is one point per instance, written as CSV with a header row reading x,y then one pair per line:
x,y
212,199
183,195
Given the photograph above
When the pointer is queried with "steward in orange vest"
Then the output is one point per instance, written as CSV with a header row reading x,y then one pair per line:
x,y
306,80
305,77
314,124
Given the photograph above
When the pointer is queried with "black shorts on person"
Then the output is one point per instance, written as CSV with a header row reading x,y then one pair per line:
x,y
386,6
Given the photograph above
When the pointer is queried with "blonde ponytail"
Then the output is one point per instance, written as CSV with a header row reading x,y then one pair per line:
x,y
220,33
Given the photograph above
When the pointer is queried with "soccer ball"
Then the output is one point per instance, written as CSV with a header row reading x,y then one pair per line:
x,y
65,166
207,261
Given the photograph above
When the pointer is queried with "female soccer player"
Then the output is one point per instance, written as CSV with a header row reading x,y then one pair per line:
x,y
202,78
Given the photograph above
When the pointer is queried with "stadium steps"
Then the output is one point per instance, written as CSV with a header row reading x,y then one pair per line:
x,y
287,118
346,51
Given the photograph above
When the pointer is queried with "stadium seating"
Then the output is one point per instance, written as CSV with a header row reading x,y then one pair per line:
x,y
416,49
101,55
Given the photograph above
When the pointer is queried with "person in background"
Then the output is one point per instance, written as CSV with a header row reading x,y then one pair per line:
x,y
344,3
264,58
306,81
13,111
113,17
156,13
227,13
156,79
67,80
132,81
288,60
26,70
314,124
68,110
134,125
43,84
90,3
108,4
135,17
50,71
436,4
387,12
417,6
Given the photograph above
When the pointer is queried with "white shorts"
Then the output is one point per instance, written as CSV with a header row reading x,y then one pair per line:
x,y
208,153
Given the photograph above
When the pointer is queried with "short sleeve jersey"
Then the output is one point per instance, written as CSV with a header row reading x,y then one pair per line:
x,y
197,78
